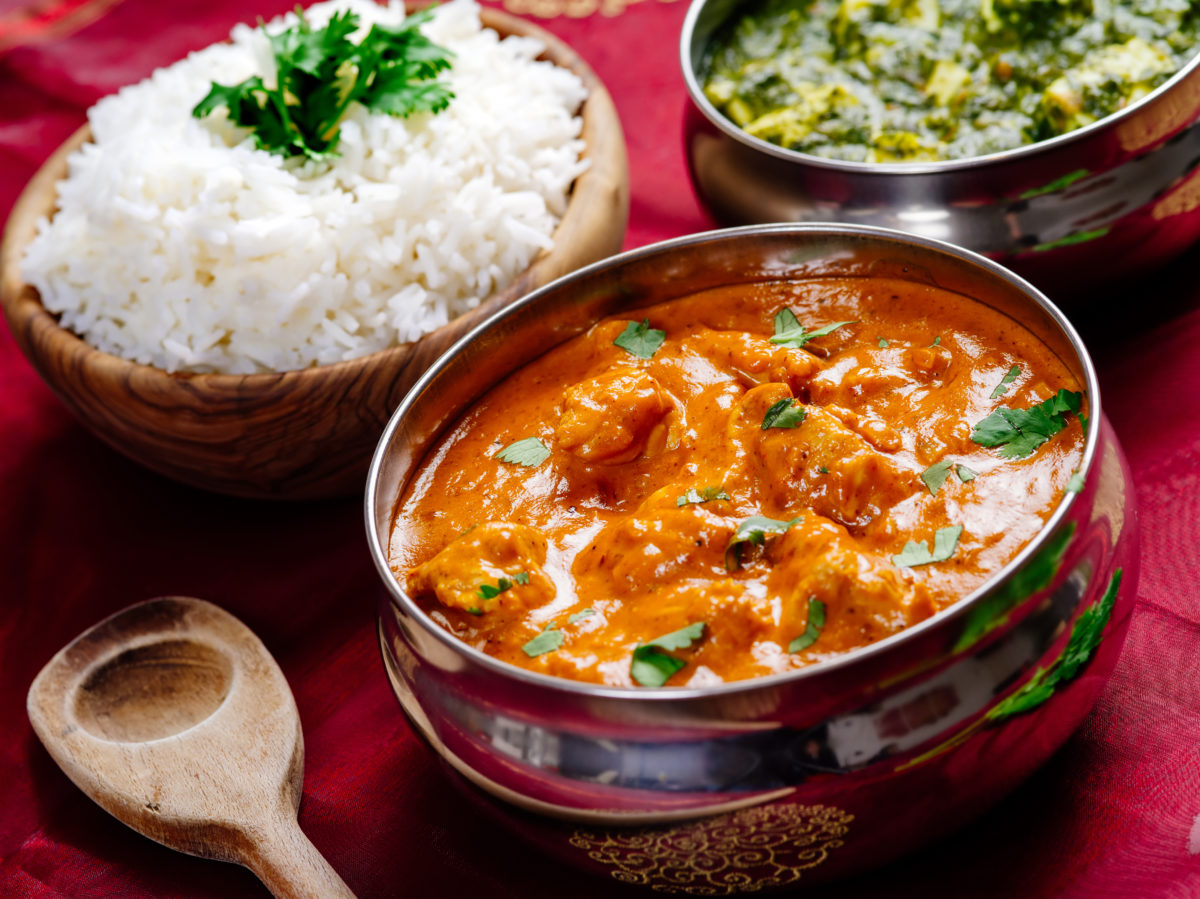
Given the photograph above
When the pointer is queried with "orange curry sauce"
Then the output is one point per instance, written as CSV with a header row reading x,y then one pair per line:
x,y
603,525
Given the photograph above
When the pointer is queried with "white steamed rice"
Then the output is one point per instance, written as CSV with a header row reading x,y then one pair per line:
x,y
180,245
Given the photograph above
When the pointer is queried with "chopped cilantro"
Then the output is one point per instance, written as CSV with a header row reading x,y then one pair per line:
x,y
823,470
1075,484
945,541
490,591
475,610
547,641
580,615
321,71
529,452
753,530
1002,387
816,622
703,495
790,333
1018,432
787,413
937,340
651,666
487,591
935,475
640,339
882,342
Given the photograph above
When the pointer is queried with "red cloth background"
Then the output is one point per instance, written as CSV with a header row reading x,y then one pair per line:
x,y
84,532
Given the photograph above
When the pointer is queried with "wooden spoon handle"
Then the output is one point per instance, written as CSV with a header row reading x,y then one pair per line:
x,y
291,867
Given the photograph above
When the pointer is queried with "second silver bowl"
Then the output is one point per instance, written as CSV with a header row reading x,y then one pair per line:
x,y
1071,214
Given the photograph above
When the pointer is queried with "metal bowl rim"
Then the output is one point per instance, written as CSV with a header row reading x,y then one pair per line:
x,y
727,127
665,694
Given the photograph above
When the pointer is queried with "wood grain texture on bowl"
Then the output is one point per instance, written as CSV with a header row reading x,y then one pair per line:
x,y
297,434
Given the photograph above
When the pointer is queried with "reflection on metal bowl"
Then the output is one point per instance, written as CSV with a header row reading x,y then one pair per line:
x,y
1071,213
792,778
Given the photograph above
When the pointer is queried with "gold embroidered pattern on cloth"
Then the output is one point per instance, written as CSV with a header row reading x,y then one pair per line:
x,y
572,9
742,852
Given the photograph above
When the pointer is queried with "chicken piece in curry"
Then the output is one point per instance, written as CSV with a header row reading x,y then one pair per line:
x,y
740,482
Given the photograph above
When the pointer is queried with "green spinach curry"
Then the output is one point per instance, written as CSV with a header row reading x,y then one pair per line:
x,y
923,80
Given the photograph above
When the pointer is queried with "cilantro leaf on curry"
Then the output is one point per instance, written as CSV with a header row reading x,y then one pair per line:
x,y
945,541
488,591
547,641
753,530
529,452
639,339
577,617
491,591
787,413
703,495
1002,387
1075,483
1018,432
816,623
651,666
790,333
321,71
935,475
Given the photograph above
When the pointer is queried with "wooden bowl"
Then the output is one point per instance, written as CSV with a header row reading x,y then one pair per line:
x,y
294,434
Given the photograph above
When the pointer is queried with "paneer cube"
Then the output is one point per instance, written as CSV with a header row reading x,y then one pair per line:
x,y
493,566
614,417
866,598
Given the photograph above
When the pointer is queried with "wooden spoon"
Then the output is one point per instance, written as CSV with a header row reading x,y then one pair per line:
x,y
173,717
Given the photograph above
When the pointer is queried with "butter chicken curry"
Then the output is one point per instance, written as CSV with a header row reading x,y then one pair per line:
x,y
740,482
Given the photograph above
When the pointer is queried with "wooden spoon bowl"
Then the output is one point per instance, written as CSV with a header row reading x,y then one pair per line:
x,y
174,718
294,434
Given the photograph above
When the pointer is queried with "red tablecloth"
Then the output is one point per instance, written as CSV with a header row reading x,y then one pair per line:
x,y
84,532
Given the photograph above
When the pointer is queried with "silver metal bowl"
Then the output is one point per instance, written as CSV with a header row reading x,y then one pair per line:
x,y
1071,213
795,777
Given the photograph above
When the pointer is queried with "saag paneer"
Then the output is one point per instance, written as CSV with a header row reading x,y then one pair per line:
x,y
740,482
923,80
